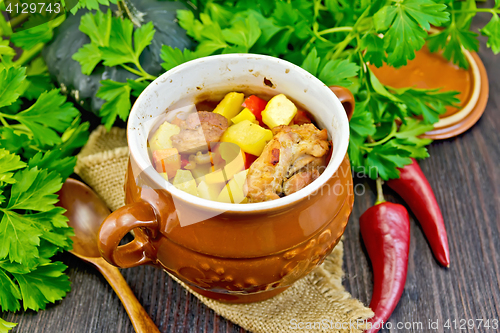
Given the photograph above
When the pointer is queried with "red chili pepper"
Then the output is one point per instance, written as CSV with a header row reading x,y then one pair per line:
x,y
414,188
385,229
256,105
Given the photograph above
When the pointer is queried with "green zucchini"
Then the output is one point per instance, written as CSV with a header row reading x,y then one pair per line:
x,y
68,39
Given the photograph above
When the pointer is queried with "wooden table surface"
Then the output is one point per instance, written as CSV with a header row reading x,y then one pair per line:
x,y
463,172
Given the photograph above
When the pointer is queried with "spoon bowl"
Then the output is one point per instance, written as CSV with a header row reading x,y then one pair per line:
x,y
86,212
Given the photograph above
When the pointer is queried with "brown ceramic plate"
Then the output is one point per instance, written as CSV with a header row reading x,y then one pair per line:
x,y
429,71
464,123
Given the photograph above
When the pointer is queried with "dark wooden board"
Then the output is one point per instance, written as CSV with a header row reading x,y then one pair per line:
x,y
464,174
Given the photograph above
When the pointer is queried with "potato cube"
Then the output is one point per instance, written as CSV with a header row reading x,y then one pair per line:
x,y
200,171
167,160
235,165
232,167
161,138
209,191
279,111
248,136
184,181
233,191
230,105
244,115
240,178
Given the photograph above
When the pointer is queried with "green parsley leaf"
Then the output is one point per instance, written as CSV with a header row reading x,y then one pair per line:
x,y
386,159
219,13
338,72
27,39
173,57
11,84
11,140
20,238
427,12
137,87
119,51
375,51
243,32
91,4
75,136
311,62
5,49
452,40
143,37
35,117
97,26
416,151
5,326
408,136
9,162
117,96
285,14
53,160
406,21
267,26
88,56
9,293
355,151
380,88
14,267
37,85
188,22
362,121
34,190
20,234
492,31
37,67
427,103
413,128
46,284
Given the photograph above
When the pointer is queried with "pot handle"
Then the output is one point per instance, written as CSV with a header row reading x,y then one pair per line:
x,y
346,98
137,216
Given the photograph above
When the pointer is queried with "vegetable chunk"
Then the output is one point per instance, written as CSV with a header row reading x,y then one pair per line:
x,y
246,114
184,181
167,160
230,106
161,138
279,111
249,136
233,191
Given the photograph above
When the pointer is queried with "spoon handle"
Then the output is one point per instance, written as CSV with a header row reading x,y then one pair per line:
x,y
138,316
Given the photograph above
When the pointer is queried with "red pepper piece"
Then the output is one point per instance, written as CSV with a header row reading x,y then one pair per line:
x,y
414,188
249,159
301,118
256,105
184,162
385,229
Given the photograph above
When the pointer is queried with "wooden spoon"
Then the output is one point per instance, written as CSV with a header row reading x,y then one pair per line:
x,y
86,211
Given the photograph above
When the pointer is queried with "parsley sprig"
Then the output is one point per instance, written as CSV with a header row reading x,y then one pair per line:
x,y
115,43
39,132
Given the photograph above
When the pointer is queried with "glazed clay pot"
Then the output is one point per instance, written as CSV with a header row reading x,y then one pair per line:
x,y
232,252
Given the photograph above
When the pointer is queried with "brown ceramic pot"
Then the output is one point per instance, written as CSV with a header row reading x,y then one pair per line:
x,y
232,252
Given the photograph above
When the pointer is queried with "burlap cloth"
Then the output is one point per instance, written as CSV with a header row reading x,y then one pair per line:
x,y
318,302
